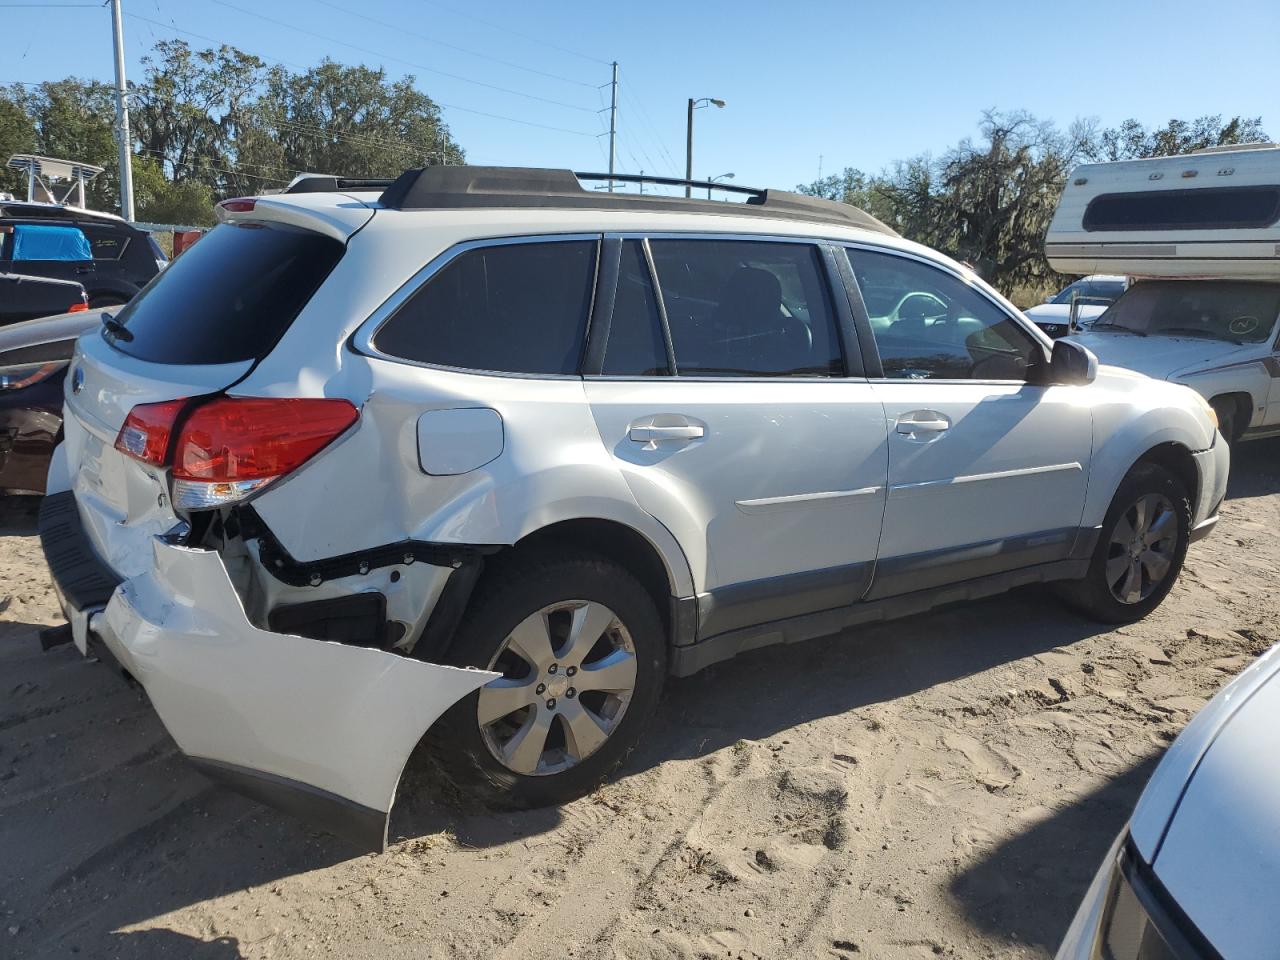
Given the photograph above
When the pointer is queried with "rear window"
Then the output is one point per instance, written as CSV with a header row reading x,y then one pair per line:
x,y
1213,208
229,298
509,308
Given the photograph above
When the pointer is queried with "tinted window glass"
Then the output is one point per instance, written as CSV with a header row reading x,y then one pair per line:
x,y
930,325
1211,208
512,308
747,308
107,245
230,298
1229,310
636,346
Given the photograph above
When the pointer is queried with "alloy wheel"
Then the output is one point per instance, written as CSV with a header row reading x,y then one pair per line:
x,y
1142,548
568,675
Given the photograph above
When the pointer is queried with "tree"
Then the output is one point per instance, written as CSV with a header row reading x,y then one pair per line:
x,y
1131,140
342,120
192,106
72,119
17,135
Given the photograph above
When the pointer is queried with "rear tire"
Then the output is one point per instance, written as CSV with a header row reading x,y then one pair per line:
x,y
1140,551
581,721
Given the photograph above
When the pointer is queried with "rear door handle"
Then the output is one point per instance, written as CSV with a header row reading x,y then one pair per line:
x,y
651,434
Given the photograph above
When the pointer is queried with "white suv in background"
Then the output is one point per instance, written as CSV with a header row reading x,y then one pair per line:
x,y
484,456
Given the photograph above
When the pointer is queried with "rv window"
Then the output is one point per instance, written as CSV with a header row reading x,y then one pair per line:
x,y
1231,310
1214,208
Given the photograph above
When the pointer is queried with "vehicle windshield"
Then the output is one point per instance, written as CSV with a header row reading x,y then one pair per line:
x,y
1091,291
1231,310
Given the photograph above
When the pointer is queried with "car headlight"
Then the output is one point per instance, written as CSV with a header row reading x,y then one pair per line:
x,y
1140,921
15,378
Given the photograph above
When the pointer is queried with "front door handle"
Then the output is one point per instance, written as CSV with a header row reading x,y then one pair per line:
x,y
652,434
922,421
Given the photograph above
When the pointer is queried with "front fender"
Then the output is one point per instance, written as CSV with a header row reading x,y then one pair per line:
x,y
1140,414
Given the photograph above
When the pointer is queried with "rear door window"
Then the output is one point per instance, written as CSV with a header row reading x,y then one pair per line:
x,y
745,308
507,308
230,298
43,241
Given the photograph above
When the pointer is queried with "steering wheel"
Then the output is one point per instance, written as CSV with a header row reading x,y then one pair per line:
x,y
924,305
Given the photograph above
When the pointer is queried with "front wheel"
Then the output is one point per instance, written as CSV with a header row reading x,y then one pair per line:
x,y
582,654
1140,550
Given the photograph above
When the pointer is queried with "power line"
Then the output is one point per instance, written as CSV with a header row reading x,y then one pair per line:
x,y
416,66
517,33
399,28
298,66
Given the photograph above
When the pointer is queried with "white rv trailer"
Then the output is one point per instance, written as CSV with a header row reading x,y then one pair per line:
x,y
1211,214
1200,236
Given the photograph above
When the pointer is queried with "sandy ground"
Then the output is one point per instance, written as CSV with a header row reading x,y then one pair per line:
x,y
945,786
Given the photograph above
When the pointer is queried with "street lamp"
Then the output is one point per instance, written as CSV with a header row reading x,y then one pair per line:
x,y
688,150
723,176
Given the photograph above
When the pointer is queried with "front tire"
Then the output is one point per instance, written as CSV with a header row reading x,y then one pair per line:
x,y
583,656
1140,551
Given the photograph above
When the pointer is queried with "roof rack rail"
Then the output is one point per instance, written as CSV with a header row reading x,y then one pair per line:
x,y
669,182
466,187
325,183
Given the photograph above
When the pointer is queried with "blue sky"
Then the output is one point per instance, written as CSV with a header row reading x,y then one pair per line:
x,y
851,83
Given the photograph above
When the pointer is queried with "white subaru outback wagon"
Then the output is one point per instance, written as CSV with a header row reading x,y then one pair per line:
x,y
481,455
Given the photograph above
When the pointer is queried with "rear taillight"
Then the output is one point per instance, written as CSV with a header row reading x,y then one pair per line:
x,y
230,447
78,307
147,430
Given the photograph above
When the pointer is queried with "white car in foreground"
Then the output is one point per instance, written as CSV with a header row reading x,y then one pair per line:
x,y
1194,875
485,455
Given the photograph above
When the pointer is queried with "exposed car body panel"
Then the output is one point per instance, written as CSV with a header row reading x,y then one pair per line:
x,y
338,718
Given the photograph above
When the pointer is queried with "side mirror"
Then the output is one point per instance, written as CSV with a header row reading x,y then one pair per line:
x,y
1071,364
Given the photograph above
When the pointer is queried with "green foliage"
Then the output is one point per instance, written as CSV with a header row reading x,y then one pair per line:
x,y
1131,140
213,123
988,202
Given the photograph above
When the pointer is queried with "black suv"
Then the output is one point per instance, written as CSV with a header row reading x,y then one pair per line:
x,y
109,257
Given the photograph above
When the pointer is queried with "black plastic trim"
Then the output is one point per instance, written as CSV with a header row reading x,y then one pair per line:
x,y
601,318
328,184
684,621
1166,915
838,291
777,598
935,568
82,578
861,321
358,619
363,826
467,187
686,661
281,565
438,632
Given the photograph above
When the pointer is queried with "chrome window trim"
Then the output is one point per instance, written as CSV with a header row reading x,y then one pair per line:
x,y
1017,317
362,340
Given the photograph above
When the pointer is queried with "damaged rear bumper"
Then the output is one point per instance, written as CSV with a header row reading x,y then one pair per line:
x,y
317,728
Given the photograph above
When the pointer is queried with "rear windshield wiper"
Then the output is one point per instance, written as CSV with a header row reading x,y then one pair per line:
x,y
116,328
1116,327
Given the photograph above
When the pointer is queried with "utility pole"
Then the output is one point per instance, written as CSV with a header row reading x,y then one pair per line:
x,y
613,123
122,118
688,151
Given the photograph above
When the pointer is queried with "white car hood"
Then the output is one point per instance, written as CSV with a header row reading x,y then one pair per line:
x,y
1158,356
1061,312
1207,820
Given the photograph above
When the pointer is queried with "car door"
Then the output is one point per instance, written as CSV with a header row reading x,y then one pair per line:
x,y
987,471
718,383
